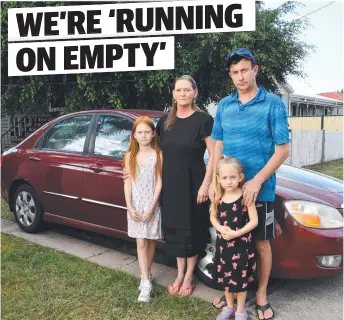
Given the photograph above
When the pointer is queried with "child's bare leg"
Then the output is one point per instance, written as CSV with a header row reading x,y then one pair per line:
x,y
241,299
230,299
151,253
142,245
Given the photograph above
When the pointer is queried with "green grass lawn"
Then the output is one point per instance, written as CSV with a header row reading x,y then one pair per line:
x,y
41,283
5,212
332,168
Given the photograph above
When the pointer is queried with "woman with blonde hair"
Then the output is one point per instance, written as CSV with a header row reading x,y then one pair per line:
x,y
184,136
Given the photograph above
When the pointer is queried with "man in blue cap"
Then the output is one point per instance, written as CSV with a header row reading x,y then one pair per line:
x,y
251,125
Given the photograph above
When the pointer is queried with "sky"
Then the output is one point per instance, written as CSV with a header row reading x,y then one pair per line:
x,y
325,66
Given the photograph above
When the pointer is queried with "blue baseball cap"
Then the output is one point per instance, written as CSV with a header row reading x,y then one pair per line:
x,y
241,52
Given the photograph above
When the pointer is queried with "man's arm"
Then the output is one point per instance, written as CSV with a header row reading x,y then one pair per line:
x,y
281,154
252,187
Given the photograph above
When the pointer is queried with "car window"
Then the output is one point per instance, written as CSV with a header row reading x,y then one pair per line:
x,y
67,135
155,120
112,136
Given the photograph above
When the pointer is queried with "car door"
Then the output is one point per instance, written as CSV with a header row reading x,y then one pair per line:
x,y
55,166
103,189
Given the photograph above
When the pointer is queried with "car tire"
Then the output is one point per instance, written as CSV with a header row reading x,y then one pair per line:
x,y
205,262
28,209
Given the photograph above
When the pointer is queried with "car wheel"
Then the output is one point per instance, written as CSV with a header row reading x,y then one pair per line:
x,y
27,209
205,262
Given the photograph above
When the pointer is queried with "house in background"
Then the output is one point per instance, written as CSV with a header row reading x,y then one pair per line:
x,y
313,105
300,104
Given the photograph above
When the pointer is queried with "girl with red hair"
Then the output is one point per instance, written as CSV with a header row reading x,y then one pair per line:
x,y
142,190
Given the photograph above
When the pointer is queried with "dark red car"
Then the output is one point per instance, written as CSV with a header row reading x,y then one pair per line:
x,y
70,172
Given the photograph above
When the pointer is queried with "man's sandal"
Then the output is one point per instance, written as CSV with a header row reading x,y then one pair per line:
x,y
219,303
263,309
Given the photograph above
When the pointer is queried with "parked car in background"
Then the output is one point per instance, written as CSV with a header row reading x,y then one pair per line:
x,y
70,172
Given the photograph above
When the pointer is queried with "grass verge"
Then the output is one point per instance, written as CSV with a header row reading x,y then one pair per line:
x,y
332,168
41,283
5,211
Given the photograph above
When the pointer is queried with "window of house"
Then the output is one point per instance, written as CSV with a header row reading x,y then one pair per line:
x,y
67,135
112,136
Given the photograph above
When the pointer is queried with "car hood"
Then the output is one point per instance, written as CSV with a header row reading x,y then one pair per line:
x,y
302,184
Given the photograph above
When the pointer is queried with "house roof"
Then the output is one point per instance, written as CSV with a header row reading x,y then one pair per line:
x,y
332,95
309,98
313,96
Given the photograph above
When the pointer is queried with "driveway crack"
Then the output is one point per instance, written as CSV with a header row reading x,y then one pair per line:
x,y
131,262
98,254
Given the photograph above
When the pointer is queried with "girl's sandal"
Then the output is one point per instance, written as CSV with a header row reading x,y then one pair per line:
x,y
184,292
219,303
263,309
173,290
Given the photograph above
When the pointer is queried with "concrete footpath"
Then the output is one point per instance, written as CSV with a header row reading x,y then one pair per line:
x,y
292,299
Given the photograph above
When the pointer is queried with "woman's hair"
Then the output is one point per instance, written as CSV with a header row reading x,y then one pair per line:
x,y
134,148
171,117
218,189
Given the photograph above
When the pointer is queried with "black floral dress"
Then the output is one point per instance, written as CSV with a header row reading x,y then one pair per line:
x,y
235,263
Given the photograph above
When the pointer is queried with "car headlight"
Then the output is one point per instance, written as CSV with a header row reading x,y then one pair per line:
x,y
315,215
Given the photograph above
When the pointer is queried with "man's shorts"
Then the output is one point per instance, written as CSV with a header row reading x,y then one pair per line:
x,y
265,229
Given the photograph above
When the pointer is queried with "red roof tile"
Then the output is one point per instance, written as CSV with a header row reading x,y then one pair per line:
x,y
333,95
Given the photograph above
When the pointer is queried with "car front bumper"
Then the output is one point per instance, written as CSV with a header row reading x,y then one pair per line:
x,y
296,248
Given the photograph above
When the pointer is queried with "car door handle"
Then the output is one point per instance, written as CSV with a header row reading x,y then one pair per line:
x,y
96,167
35,159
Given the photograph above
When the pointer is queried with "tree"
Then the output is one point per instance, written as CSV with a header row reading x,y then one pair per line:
x,y
275,44
18,94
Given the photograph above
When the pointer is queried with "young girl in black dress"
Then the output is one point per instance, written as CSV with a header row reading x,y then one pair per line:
x,y
234,264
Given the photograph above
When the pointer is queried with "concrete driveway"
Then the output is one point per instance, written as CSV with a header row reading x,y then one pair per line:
x,y
312,299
